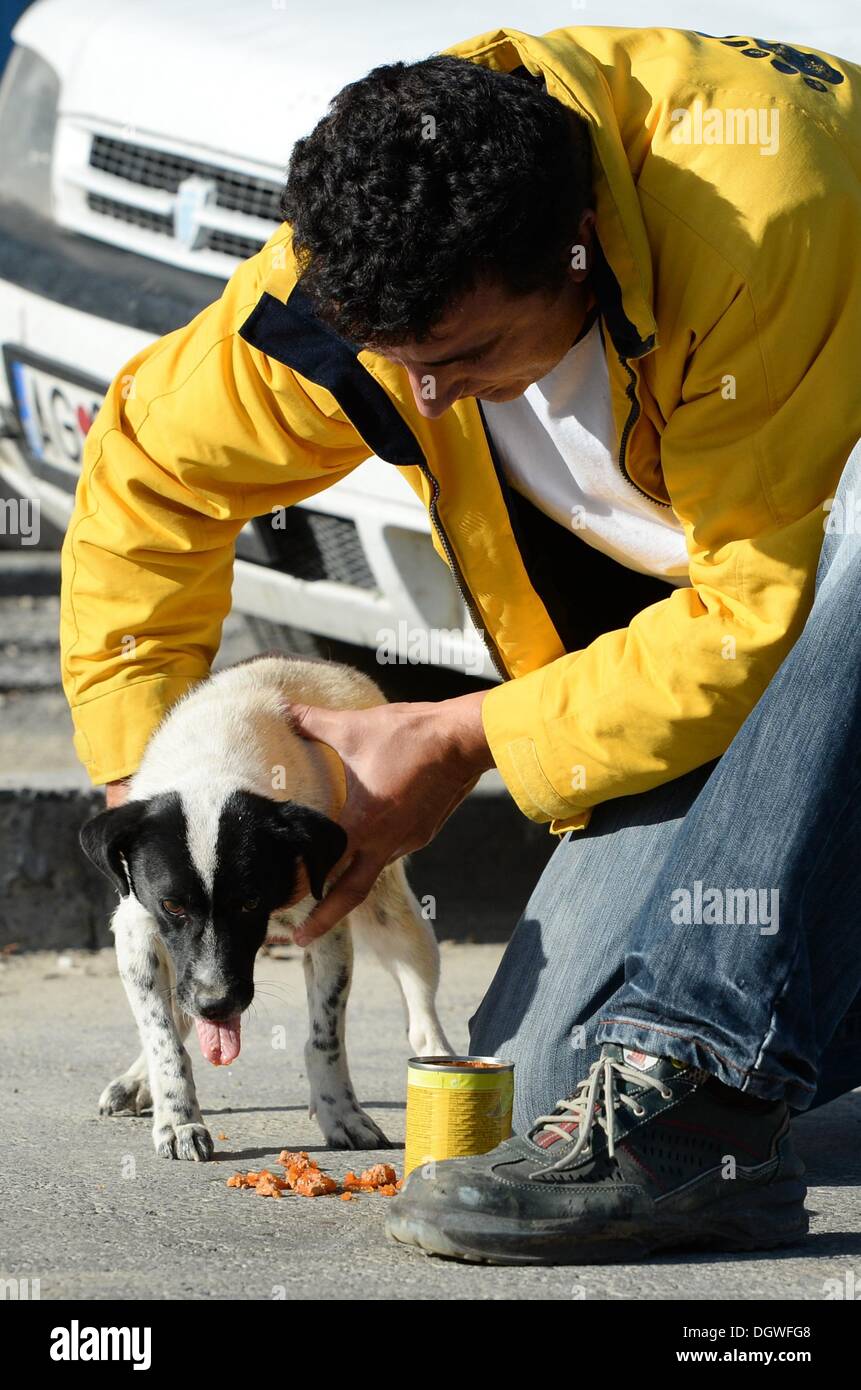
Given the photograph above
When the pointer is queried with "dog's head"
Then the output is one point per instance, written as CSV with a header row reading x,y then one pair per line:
x,y
211,874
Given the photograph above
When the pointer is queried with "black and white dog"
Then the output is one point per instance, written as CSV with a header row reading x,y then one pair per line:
x,y
231,826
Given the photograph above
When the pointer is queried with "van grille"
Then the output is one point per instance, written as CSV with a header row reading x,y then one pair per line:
x,y
227,243
158,169
173,206
311,545
124,212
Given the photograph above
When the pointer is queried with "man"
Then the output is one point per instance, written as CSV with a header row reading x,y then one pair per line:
x,y
597,296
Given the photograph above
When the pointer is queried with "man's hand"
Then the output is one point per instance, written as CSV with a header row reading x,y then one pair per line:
x,y
117,793
407,767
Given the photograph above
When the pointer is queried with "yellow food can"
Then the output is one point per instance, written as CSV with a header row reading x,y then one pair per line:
x,y
456,1106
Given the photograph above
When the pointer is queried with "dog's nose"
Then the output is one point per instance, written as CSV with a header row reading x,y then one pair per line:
x,y
216,1005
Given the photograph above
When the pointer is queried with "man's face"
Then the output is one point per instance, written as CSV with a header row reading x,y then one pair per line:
x,y
493,344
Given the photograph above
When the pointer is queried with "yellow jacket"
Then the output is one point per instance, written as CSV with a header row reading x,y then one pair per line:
x,y
729,286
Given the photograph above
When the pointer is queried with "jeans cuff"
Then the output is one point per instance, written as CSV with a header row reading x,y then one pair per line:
x,y
674,1040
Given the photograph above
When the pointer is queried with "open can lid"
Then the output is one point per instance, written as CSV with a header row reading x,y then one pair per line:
x,y
466,1064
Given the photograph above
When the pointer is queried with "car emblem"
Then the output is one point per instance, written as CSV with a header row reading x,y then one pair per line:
x,y
192,196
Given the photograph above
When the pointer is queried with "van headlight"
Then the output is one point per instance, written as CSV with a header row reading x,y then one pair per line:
x,y
29,97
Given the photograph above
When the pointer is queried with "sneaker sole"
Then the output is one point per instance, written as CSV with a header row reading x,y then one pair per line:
x,y
779,1220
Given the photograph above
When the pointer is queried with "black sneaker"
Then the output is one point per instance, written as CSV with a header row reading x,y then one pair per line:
x,y
647,1154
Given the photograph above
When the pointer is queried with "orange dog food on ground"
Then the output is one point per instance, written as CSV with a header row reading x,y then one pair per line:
x,y
295,1160
269,1187
379,1176
313,1183
382,1178
302,1175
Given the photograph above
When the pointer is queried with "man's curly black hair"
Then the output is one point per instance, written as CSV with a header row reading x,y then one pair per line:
x,y
425,179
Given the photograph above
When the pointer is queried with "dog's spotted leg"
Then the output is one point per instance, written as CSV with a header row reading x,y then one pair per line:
x,y
128,1094
178,1128
328,971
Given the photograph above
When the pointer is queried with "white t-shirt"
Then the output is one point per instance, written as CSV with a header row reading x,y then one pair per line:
x,y
557,446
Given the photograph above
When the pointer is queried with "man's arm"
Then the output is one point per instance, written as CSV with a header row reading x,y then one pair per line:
x,y
197,435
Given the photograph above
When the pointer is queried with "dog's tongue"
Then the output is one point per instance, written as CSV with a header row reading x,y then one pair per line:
x,y
219,1042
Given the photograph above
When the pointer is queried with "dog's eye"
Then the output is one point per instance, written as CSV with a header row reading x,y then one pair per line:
x,y
172,907
250,904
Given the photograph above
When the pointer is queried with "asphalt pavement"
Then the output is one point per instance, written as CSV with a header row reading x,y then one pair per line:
x,y
89,1211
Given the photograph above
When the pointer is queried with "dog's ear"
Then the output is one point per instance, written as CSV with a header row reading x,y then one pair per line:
x,y
108,836
319,841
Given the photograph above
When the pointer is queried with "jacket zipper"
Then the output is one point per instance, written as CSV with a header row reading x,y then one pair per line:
x,y
633,417
457,575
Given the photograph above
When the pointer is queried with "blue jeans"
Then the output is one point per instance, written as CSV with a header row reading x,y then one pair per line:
x,y
714,919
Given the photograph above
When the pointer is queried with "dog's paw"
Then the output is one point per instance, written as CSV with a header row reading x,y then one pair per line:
x,y
128,1095
192,1142
351,1129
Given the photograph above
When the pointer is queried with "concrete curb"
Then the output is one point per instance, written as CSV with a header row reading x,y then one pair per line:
x,y
53,898
29,571
51,895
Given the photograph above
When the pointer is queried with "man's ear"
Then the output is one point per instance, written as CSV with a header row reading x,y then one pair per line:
x,y
319,841
111,834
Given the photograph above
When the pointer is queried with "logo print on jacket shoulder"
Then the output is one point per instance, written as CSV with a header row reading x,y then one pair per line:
x,y
813,69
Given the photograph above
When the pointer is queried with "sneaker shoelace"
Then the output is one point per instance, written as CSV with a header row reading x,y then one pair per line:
x,y
581,1109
